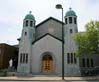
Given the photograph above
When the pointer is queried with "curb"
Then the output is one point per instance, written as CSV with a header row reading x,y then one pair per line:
x,y
48,80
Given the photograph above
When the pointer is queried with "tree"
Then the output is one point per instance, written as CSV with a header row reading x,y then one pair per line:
x,y
88,41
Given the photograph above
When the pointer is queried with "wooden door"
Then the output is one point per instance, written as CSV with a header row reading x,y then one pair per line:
x,y
47,64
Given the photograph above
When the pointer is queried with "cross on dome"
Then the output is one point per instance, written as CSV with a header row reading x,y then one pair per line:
x,y
30,12
70,8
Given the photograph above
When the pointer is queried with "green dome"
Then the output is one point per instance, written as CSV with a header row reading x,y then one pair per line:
x,y
70,13
29,16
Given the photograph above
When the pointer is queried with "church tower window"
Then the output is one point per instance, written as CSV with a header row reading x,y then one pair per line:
x,y
26,23
70,20
66,20
75,22
31,23
71,31
25,33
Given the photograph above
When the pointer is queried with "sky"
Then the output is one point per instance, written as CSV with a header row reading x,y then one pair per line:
x,y
12,13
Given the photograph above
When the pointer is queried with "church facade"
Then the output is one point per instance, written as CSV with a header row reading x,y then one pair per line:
x,y
40,46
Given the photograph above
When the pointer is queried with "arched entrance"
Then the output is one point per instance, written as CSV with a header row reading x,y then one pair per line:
x,y
47,64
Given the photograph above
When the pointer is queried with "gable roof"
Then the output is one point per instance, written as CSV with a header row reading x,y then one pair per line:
x,y
49,19
44,36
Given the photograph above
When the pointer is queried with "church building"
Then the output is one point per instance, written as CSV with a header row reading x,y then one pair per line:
x,y
40,46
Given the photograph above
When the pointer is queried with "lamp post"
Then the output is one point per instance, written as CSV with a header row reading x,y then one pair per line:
x,y
59,6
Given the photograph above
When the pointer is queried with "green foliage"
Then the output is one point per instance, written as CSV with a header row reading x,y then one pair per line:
x,y
88,41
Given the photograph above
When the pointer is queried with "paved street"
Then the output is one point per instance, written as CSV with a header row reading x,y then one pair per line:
x,y
49,81
48,78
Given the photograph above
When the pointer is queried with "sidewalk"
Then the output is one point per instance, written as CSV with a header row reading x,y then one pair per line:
x,y
42,78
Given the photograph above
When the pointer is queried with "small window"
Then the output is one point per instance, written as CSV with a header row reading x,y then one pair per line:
x,y
72,58
83,62
71,31
92,63
88,63
66,20
26,23
21,58
75,60
70,20
68,58
25,33
75,22
26,58
31,23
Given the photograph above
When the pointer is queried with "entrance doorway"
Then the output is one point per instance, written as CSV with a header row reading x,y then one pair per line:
x,y
47,64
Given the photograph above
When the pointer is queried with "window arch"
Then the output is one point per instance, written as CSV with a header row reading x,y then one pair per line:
x,y
47,57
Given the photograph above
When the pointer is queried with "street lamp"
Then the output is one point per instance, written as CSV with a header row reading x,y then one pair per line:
x,y
59,6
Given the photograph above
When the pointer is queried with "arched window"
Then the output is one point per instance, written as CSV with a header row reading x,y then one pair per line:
x,y
31,23
75,22
66,20
70,20
26,24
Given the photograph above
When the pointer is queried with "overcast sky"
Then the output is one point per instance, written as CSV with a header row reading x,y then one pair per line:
x,y
12,13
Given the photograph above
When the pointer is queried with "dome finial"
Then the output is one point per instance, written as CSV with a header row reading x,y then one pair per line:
x,y
70,8
29,16
30,12
70,12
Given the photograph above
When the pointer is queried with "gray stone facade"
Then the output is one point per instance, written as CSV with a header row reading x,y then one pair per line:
x,y
40,47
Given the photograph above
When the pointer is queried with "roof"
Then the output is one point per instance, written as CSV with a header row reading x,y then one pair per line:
x,y
44,36
49,19
7,45
70,13
29,16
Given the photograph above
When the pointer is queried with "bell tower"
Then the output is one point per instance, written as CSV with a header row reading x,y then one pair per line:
x,y
70,28
25,44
